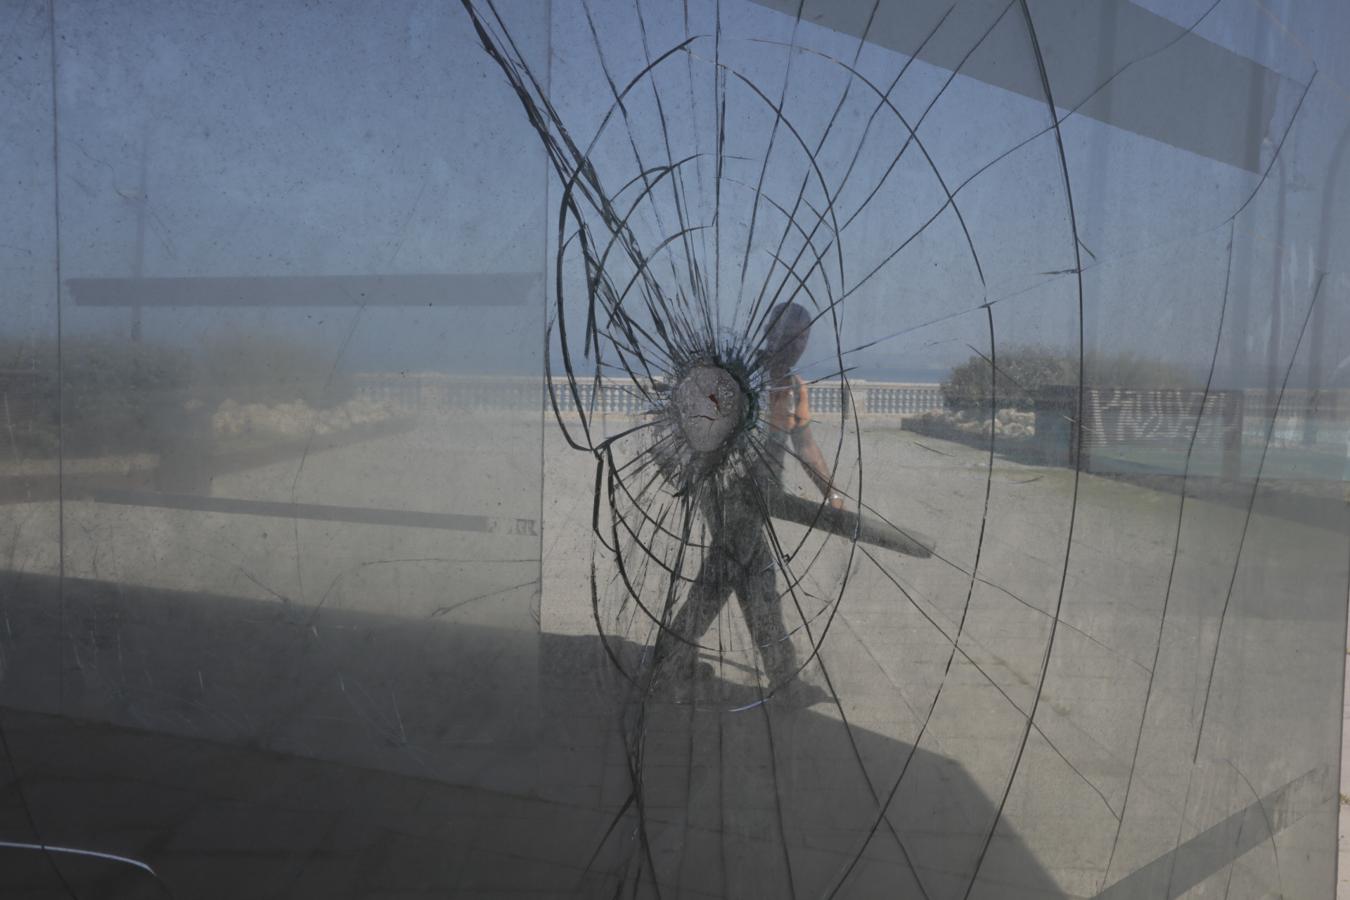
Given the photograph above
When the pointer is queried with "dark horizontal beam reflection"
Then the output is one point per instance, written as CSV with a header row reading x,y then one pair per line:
x,y
364,515
474,289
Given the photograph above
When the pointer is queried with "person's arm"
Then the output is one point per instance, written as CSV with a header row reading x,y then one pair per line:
x,y
808,451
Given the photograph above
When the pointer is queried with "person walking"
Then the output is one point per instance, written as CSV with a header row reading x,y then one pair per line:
x,y
738,556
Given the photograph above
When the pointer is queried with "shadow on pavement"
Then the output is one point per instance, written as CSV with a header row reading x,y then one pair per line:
x,y
245,748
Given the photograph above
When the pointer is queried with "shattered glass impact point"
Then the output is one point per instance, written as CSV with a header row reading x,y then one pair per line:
x,y
709,406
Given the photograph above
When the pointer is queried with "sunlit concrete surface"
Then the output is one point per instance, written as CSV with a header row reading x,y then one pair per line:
x,y
885,654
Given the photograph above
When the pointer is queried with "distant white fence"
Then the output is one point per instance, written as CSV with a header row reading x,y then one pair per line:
x,y
432,392
429,392
1111,416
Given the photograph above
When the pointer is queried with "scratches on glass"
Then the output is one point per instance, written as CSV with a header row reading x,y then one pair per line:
x,y
740,200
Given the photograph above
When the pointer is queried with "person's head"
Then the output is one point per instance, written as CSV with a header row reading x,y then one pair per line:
x,y
789,328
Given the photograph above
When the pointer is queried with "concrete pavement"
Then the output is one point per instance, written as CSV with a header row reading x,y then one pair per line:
x,y
436,653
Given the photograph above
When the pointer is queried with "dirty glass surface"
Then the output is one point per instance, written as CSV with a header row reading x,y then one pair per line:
x,y
397,397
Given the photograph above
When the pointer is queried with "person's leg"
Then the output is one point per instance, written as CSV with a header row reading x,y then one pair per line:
x,y
676,653
762,607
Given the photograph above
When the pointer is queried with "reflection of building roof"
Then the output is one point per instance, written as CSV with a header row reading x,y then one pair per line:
x,y
1193,94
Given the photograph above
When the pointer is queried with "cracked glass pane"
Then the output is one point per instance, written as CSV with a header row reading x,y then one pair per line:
x,y
396,398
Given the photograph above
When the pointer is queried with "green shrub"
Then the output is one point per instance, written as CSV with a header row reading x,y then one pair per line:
x,y
122,396
117,393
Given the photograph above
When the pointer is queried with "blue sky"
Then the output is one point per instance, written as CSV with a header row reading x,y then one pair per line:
x,y
345,139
